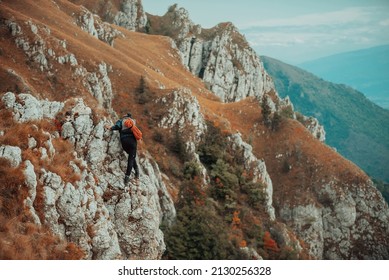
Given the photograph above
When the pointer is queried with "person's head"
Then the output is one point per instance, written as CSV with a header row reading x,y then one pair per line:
x,y
128,115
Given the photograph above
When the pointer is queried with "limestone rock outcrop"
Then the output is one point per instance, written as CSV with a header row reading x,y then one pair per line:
x,y
341,226
220,56
26,107
93,25
97,212
315,128
125,13
131,15
258,169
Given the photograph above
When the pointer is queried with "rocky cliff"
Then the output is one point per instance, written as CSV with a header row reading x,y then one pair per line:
x,y
96,211
126,13
220,56
275,191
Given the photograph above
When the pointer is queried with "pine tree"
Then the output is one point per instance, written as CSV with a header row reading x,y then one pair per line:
x,y
266,110
143,94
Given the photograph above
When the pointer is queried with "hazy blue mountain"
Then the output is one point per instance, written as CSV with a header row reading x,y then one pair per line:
x,y
355,126
366,70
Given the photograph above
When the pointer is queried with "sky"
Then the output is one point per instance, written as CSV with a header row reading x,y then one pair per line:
x,y
293,31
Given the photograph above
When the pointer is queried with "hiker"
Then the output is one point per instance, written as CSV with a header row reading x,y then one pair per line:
x,y
129,144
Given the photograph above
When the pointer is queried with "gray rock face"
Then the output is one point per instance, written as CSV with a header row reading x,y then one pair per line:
x,y
37,43
307,221
35,48
97,212
351,224
27,108
99,85
93,25
231,72
220,56
258,169
184,117
131,15
12,153
315,128
184,111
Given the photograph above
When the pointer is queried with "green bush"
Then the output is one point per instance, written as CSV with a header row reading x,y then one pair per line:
x,y
224,181
287,112
255,194
199,234
143,94
177,145
158,136
213,146
191,170
276,122
266,110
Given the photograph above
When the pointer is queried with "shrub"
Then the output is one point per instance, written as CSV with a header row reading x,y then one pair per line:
x,y
225,182
191,170
287,112
199,234
255,194
300,118
276,122
177,145
213,146
266,110
158,136
192,193
143,94
175,169
269,243
10,191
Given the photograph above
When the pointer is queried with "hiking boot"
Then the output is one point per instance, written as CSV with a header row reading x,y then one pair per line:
x,y
126,180
135,181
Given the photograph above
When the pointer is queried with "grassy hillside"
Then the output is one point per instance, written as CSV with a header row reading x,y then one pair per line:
x,y
356,127
366,70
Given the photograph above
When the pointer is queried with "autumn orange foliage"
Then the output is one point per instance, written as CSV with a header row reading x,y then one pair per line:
x,y
269,244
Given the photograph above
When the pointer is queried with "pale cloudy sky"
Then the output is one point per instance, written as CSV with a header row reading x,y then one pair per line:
x,y
293,31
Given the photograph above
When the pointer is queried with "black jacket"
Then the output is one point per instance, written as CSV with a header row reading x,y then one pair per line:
x,y
124,131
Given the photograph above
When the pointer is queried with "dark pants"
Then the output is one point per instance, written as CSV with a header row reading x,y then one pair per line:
x,y
129,145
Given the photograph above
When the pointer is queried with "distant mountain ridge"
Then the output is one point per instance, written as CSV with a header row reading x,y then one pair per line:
x,y
356,127
366,70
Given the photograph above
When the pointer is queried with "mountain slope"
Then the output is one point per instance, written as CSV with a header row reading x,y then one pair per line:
x,y
365,70
356,127
216,182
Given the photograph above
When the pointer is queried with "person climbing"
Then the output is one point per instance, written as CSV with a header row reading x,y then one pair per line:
x,y
129,140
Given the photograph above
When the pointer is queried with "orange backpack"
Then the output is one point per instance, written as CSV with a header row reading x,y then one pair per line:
x,y
129,123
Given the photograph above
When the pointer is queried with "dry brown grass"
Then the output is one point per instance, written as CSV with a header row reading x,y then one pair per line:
x,y
17,134
60,163
11,180
26,241
19,237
